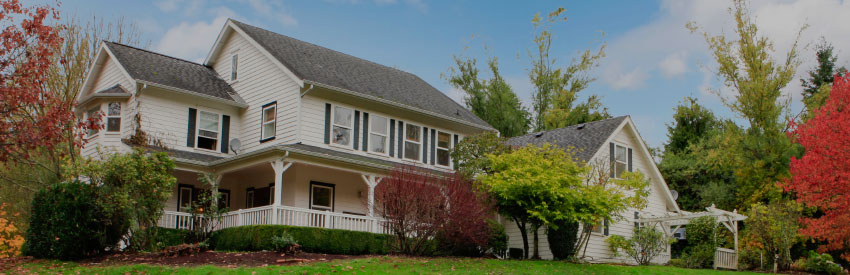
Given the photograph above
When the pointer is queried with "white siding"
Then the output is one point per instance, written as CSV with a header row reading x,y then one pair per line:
x,y
165,116
260,81
597,248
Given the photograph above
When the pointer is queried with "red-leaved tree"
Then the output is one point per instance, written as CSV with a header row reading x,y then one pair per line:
x,y
821,178
419,206
33,117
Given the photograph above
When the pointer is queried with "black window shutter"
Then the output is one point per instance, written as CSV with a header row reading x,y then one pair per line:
x,y
456,141
400,138
365,131
637,216
425,145
612,159
630,160
327,123
433,144
225,133
392,137
606,227
356,129
190,137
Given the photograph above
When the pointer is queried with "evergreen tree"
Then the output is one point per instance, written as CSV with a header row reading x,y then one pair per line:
x,y
817,87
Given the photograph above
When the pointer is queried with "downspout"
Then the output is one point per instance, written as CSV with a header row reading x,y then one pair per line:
x,y
298,137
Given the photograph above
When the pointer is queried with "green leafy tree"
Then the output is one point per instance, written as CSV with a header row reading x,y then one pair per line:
x,y
817,87
556,89
691,162
543,186
774,229
762,153
136,184
493,100
471,155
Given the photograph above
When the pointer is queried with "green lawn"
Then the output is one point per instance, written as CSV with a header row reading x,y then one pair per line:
x,y
374,265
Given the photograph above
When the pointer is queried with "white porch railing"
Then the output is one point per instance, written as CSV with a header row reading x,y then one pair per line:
x,y
285,215
725,258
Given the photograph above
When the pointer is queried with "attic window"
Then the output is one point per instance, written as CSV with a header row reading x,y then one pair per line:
x,y
234,63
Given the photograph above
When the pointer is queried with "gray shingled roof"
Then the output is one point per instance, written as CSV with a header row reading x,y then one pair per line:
x,y
173,72
325,66
586,138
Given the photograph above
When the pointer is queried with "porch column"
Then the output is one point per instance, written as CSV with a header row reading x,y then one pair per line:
x,y
371,182
279,167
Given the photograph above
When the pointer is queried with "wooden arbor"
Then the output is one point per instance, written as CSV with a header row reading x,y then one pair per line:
x,y
723,258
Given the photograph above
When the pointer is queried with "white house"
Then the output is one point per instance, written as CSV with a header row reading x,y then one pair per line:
x,y
298,134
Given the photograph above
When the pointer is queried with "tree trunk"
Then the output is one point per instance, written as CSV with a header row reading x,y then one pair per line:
x,y
524,235
536,255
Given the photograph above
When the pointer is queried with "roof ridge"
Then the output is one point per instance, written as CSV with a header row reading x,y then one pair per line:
x,y
574,125
156,53
336,51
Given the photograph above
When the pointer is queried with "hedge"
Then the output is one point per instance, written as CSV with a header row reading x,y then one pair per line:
x,y
166,237
313,240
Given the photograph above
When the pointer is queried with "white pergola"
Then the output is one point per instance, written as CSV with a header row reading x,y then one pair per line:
x,y
724,258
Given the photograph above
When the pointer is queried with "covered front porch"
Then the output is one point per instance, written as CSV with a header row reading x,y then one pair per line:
x,y
296,190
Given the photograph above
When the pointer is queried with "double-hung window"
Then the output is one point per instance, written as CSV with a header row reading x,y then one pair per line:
x,y
620,164
443,141
342,124
208,130
321,196
412,142
378,130
269,121
113,117
93,114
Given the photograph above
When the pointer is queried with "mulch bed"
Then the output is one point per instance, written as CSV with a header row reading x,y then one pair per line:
x,y
226,259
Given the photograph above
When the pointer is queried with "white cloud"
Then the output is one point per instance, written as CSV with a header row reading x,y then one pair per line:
x,y
192,40
659,41
167,5
674,64
273,9
619,79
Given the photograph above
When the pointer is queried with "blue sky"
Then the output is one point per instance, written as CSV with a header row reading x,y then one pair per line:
x,y
652,60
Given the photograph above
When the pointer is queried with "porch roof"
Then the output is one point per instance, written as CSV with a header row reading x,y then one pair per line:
x,y
207,160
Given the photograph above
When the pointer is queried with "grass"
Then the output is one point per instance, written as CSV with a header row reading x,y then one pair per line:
x,y
373,265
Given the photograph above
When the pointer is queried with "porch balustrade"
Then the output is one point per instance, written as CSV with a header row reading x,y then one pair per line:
x,y
285,215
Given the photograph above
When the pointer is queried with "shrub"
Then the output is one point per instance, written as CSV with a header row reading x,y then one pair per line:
x,y
498,242
678,263
11,239
774,228
645,244
701,234
420,207
284,243
166,237
562,241
821,264
313,240
68,223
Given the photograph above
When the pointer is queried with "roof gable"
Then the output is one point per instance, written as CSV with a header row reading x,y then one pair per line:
x,y
170,72
329,68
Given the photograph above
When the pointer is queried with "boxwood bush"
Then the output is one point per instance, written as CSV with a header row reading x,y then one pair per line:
x,y
68,223
313,240
166,237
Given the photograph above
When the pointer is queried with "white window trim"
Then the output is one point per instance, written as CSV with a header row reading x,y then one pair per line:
x,y
119,117
437,150
198,131
180,207
99,108
405,141
385,135
350,127
321,207
614,165
263,122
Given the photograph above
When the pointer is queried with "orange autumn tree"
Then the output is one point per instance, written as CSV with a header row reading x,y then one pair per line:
x,y
821,178
10,239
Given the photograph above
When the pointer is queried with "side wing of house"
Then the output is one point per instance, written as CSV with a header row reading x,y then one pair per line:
x,y
625,140
107,84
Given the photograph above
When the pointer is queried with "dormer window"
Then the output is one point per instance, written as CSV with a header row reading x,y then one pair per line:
x,y
208,130
234,65
342,125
